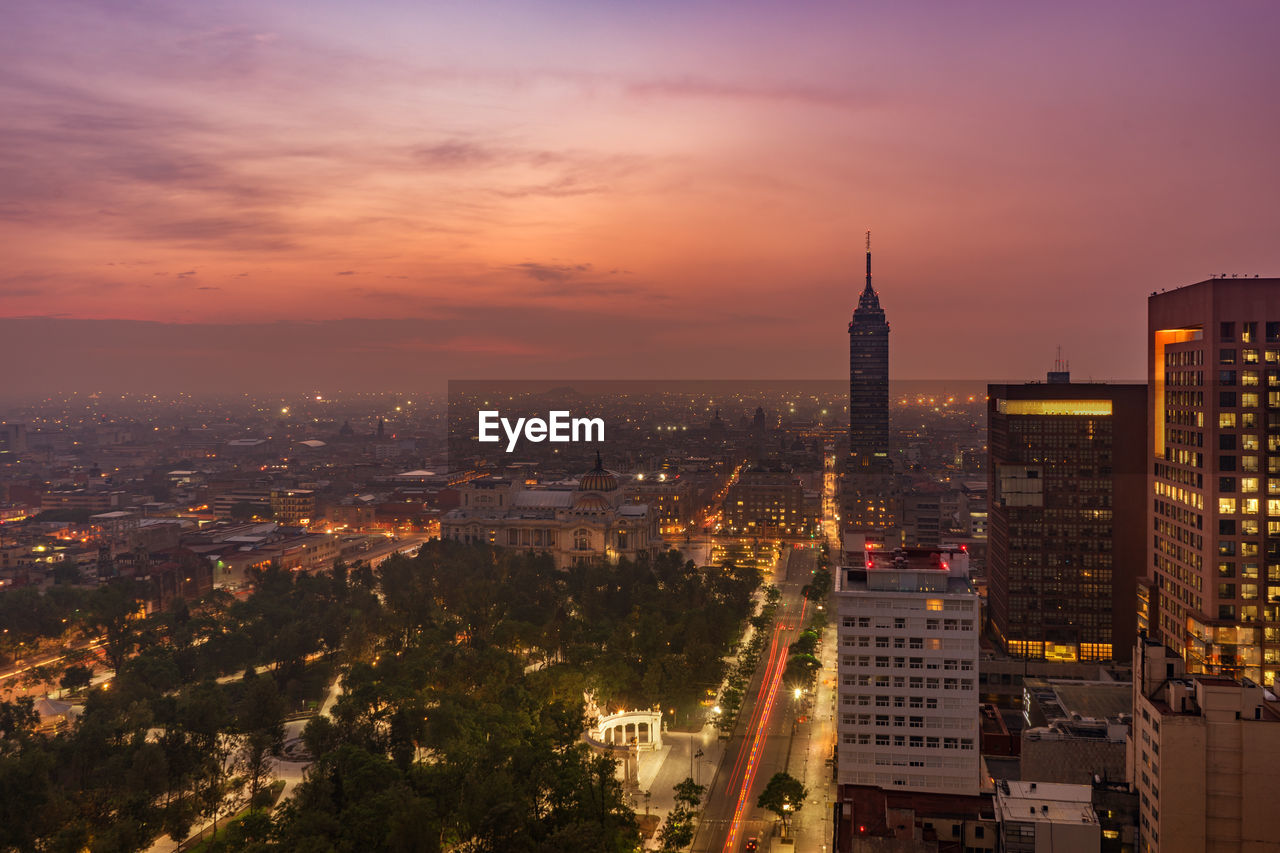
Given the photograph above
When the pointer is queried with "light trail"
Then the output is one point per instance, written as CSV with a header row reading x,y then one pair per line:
x,y
757,707
768,689
757,746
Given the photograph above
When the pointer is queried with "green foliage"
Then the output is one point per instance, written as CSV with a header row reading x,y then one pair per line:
x,y
677,830
458,727
784,796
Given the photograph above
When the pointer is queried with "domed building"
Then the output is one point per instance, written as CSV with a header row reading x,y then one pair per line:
x,y
596,520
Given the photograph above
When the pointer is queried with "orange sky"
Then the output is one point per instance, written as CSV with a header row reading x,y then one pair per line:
x,y
630,189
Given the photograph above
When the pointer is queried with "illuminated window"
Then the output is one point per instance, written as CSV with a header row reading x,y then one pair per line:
x,y
1227,420
1227,506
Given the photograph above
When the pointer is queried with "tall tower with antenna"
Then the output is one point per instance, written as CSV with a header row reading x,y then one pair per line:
x,y
867,503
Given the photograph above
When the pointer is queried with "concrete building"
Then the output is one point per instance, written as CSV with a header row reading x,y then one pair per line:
x,y
908,700
1202,757
1067,532
1043,817
1214,449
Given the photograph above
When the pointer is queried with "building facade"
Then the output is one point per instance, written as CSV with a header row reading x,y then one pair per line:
x,y
595,521
908,699
867,486
771,502
1040,817
1201,755
1214,433
1066,533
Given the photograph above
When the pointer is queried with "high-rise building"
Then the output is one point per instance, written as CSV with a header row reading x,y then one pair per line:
x,y
1201,752
867,502
908,631
1214,441
1067,523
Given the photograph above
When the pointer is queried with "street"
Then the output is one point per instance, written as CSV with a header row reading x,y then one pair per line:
x,y
762,743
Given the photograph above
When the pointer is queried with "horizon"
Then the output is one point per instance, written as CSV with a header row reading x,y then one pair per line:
x,y
405,195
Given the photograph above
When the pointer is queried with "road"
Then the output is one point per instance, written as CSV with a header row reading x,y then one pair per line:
x,y
761,743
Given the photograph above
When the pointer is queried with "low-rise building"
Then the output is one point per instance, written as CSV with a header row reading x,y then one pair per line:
x,y
1075,730
1041,817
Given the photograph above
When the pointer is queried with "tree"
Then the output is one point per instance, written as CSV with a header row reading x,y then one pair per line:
x,y
242,511
260,730
677,830
113,610
689,792
784,796
77,676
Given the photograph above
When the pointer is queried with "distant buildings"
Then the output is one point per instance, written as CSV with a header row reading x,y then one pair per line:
x,y
908,703
771,502
1214,461
594,521
1066,529
293,507
1202,757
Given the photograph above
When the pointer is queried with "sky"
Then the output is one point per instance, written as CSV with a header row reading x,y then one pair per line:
x,y
385,194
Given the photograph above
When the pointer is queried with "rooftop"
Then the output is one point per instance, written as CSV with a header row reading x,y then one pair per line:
x,y
1044,802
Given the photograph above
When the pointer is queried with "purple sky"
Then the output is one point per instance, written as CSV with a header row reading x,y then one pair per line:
x,y
390,194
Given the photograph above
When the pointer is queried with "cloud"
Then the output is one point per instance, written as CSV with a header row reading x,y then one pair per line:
x,y
551,272
346,272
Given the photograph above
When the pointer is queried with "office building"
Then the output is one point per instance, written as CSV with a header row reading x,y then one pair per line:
x,y
867,486
908,700
1202,755
1214,432
1066,533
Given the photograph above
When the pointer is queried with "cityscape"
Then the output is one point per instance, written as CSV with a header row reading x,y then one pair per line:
x,y
427,429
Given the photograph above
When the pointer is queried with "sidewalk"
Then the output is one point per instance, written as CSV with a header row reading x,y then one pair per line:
x,y
811,747
661,770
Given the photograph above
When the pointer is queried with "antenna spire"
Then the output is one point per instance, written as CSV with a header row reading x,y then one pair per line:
x,y
869,261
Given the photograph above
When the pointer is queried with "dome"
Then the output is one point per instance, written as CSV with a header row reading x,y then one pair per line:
x,y
598,479
592,503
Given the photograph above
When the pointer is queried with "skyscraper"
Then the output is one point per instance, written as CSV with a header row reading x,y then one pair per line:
x,y
867,488
1214,435
1067,523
